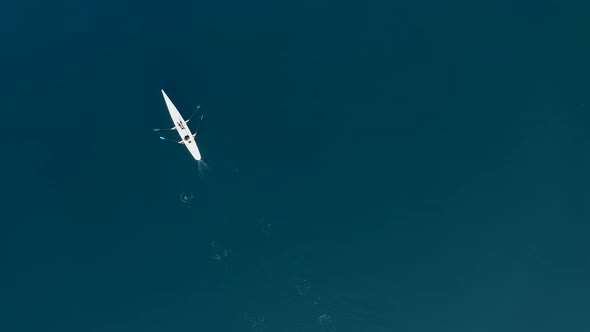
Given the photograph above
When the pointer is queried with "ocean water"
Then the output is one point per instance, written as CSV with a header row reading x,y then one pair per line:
x,y
402,166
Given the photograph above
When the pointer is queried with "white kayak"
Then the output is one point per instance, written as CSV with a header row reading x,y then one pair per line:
x,y
187,138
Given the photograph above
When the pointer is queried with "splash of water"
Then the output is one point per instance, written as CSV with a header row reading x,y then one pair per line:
x,y
202,167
